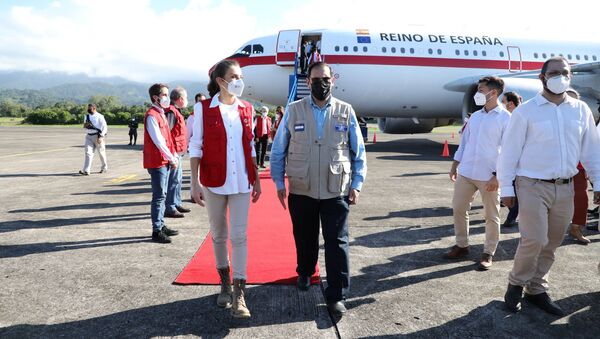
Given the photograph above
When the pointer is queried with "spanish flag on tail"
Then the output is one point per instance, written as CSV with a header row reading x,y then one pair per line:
x,y
362,36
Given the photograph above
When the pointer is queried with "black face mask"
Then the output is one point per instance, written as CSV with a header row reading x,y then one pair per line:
x,y
320,89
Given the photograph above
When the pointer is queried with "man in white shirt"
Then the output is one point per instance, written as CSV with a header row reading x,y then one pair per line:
x,y
474,169
95,128
542,145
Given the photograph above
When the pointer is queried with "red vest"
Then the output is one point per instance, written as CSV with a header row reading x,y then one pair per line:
x,y
153,158
213,164
179,131
258,128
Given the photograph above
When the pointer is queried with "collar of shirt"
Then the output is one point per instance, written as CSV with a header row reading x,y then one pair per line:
x,y
496,109
160,109
314,106
541,100
214,102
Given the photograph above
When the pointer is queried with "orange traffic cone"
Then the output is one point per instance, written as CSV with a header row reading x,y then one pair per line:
x,y
374,137
445,152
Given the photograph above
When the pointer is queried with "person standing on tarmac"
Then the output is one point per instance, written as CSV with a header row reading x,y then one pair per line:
x,y
510,101
95,128
174,207
261,135
224,176
133,126
159,159
320,147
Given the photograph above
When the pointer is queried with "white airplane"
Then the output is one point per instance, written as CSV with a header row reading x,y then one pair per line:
x,y
411,81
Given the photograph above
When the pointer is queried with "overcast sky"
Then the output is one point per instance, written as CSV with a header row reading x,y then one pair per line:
x,y
164,40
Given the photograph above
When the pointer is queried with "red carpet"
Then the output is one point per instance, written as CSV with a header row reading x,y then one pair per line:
x,y
271,248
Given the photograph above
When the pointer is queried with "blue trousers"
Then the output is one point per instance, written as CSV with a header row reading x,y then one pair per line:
x,y
306,213
158,179
174,188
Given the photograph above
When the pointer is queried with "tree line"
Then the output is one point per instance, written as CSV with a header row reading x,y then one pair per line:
x,y
67,112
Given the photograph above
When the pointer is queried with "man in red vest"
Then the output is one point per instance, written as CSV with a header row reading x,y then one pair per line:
x,y
261,134
159,158
174,208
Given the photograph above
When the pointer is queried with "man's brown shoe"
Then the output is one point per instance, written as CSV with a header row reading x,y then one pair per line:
x,y
486,262
456,252
575,232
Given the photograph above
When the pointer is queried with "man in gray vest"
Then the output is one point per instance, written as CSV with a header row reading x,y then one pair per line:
x,y
320,147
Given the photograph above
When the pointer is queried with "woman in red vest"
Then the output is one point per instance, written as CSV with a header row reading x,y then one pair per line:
x,y
224,175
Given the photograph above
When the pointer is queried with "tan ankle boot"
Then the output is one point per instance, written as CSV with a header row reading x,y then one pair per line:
x,y
575,232
224,298
238,307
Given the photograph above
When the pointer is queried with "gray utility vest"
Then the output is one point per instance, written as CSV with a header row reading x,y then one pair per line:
x,y
317,168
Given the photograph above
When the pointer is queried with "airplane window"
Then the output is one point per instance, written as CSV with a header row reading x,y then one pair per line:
x,y
466,52
244,50
402,50
412,51
439,51
552,55
475,53
257,49
457,52
355,49
430,51
501,53
569,56
544,55
337,48
484,53
345,48
535,55
577,57
383,49
365,48
585,57
393,49
594,57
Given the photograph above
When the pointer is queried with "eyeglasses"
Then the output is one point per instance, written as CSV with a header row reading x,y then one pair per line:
x,y
564,72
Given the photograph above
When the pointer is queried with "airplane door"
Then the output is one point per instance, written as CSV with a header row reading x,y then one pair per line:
x,y
288,42
515,63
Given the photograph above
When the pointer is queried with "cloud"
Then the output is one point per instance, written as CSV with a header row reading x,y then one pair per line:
x,y
126,38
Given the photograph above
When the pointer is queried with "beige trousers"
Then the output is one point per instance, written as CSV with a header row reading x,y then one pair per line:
x,y
464,194
545,211
91,145
238,204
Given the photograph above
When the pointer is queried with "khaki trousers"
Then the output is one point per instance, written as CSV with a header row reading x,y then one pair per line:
x,y
238,204
464,194
545,211
91,145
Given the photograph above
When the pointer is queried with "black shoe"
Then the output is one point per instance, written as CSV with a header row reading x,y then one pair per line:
x,y
168,231
544,302
303,282
592,227
510,223
512,297
336,308
160,237
84,173
129,144
183,209
175,214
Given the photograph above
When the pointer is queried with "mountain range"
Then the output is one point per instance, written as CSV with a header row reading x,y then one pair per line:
x,y
34,88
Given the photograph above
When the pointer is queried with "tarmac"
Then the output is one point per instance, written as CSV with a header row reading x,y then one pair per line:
x,y
76,260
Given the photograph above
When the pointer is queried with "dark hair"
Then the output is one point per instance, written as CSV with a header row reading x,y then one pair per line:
x,y
513,97
219,72
493,83
279,109
553,59
92,106
198,95
155,90
319,64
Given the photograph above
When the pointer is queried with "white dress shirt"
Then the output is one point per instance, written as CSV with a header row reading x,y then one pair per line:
x,y
236,180
480,143
98,121
156,135
546,141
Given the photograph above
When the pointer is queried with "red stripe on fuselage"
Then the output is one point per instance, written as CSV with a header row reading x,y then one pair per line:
x,y
404,61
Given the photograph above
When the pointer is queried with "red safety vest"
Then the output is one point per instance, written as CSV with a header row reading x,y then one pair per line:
x,y
213,164
258,129
153,158
179,131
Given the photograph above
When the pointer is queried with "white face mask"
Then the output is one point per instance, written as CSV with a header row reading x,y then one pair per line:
x,y
558,84
480,99
165,101
185,104
236,87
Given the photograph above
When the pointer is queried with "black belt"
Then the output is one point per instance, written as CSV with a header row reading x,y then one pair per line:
x,y
557,181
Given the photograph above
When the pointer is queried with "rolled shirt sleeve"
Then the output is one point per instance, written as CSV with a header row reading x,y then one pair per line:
x,y
358,157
